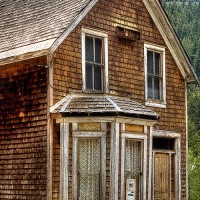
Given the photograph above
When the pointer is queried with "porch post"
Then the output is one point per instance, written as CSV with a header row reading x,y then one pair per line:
x,y
64,156
114,158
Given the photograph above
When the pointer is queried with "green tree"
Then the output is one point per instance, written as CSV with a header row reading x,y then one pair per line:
x,y
185,17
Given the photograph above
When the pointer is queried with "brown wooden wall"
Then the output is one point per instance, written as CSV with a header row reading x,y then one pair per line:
x,y
126,64
23,130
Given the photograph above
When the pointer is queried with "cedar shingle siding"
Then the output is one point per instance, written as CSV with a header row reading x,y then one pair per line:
x,y
25,86
23,131
125,65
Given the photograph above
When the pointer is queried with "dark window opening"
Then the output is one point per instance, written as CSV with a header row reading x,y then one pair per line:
x,y
94,63
163,143
154,75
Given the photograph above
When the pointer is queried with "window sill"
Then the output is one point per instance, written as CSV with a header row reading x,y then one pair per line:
x,y
93,91
156,104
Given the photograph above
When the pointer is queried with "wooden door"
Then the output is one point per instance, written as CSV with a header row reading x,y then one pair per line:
x,y
161,176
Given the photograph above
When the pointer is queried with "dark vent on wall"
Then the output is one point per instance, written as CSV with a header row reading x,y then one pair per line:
x,y
129,34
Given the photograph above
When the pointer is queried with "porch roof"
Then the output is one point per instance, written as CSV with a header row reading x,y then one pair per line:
x,y
102,105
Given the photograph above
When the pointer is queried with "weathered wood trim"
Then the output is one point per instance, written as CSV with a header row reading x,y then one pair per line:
x,y
152,180
80,134
127,120
49,128
85,31
49,158
114,104
53,107
114,158
123,140
74,168
162,133
64,160
186,136
150,163
137,137
162,103
83,60
166,30
26,52
22,57
103,162
178,168
73,25
177,137
88,134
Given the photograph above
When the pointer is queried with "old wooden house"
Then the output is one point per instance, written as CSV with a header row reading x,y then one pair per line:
x,y
93,101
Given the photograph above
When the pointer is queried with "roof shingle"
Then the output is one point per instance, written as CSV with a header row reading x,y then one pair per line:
x,y
78,104
26,22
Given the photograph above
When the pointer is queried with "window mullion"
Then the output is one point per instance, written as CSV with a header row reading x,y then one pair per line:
x,y
94,51
93,76
94,61
153,85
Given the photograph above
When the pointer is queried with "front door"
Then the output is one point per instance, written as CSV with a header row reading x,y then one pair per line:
x,y
164,169
161,176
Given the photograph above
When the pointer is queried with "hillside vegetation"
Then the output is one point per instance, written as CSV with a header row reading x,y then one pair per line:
x,y
185,17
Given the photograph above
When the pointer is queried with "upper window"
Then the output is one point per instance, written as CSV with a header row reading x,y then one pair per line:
x,y
94,61
155,88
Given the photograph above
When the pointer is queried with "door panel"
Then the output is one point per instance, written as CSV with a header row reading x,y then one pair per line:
x,y
133,165
89,162
161,176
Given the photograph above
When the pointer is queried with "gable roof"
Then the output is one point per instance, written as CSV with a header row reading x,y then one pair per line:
x,y
36,28
33,26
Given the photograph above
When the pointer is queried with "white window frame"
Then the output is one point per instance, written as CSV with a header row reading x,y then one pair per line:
x,y
153,102
89,134
170,135
104,36
137,136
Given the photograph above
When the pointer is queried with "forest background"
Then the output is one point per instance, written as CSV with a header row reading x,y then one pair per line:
x,y
185,17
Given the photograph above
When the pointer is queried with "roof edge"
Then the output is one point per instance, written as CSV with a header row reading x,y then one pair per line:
x,y
171,39
26,52
72,25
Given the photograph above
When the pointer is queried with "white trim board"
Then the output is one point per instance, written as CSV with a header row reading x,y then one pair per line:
x,y
81,134
144,160
104,37
177,137
26,52
151,102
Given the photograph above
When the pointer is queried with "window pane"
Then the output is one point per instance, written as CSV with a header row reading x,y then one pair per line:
x,y
97,77
98,50
157,63
89,49
156,88
150,62
150,87
89,82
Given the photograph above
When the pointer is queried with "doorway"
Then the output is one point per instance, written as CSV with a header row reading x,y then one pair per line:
x,y
164,169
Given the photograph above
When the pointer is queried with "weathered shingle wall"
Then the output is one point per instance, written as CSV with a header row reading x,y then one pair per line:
x,y
125,64
23,126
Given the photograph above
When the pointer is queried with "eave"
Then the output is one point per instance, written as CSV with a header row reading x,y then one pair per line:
x,y
159,17
26,52
171,39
